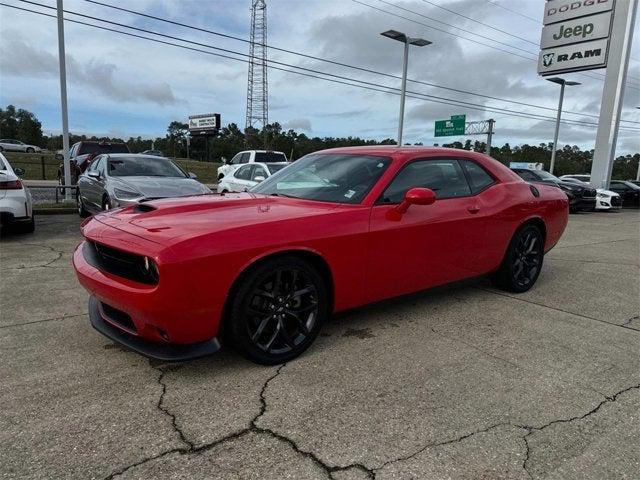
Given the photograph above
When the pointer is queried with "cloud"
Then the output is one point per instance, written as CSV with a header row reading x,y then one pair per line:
x,y
298,124
19,59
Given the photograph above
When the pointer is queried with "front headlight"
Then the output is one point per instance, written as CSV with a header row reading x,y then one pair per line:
x,y
126,194
602,195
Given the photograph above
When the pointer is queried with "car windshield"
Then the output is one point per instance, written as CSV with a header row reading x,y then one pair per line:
x,y
263,157
574,181
327,178
275,167
144,167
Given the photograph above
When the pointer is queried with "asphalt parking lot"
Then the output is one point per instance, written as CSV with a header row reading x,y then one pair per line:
x,y
464,382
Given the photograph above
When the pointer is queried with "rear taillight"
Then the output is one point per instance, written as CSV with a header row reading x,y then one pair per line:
x,y
12,185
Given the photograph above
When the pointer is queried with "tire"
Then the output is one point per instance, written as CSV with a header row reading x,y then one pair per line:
x,y
522,263
80,204
29,226
106,204
30,150
277,311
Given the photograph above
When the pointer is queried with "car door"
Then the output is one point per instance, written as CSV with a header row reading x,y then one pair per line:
x,y
242,178
95,182
429,244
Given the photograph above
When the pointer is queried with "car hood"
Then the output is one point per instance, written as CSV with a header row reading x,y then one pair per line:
x,y
606,192
169,221
160,187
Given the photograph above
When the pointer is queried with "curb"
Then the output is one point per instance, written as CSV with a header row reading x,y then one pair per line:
x,y
53,211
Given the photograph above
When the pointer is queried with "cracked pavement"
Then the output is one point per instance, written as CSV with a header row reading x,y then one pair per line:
x,y
460,382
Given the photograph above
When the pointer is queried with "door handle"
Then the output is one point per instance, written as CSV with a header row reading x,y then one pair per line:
x,y
473,208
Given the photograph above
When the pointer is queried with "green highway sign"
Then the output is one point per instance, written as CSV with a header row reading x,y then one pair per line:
x,y
451,127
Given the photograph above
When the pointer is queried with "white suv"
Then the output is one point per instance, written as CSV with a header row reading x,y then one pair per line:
x,y
15,199
250,156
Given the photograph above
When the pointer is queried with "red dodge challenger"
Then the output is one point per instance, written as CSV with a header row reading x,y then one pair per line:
x,y
336,229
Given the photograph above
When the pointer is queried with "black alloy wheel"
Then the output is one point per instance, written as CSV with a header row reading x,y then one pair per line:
x,y
278,311
523,261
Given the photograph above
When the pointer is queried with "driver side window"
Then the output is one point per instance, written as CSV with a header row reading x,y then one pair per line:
x,y
445,177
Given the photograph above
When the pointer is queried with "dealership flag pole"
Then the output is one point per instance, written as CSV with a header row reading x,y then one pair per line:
x,y
613,92
63,99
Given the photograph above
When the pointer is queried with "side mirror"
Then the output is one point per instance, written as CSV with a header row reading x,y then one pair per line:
x,y
192,175
19,171
416,196
259,178
59,157
225,161
94,174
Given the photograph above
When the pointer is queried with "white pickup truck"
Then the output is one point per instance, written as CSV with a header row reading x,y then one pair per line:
x,y
250,156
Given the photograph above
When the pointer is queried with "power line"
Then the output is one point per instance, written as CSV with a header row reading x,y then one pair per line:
x,y
339,79
599,77
333,62
485,37
492,2
479,22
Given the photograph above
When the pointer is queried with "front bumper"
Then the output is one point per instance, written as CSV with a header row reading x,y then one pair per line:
x,y
579,203
166,352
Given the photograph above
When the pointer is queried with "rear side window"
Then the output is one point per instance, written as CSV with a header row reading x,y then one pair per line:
x,y
479,179
445,177
266,157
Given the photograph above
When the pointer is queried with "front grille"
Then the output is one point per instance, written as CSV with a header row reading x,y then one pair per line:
x,y
616,201
588,193
118,317
120,263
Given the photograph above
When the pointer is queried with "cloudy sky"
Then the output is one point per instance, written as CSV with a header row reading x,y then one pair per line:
x,y
126,86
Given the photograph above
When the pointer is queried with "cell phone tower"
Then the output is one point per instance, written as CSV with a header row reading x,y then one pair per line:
x,y
257,90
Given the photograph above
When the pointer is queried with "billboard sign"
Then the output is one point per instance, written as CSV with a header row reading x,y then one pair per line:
x,y
561,10
454,126
206,124
576,30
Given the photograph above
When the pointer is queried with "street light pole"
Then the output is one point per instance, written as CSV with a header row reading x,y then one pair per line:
x,y
403,91
562,82
63,100
418,42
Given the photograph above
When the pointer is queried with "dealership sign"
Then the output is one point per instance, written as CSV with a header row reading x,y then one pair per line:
x,y
575,36
453,126
560,10
207,124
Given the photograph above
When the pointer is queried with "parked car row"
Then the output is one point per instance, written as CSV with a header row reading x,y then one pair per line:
x,y
583,197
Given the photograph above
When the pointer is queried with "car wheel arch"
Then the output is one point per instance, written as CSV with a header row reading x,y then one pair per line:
x,y
537,221
312,257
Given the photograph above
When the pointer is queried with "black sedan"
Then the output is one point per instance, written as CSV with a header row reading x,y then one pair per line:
x,y
629,191
581,197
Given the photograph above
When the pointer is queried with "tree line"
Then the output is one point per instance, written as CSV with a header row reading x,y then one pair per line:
x,y
23,125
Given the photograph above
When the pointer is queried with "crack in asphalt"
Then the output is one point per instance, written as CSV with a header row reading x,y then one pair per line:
x,y
594,243
47,264
165,410
532,429
624,325
627,324
64,317
593,261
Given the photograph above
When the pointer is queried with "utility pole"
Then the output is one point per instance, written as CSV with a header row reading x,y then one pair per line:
x,y
613,92
63,100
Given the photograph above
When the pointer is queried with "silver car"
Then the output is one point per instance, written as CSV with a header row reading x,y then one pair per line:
x,y
118,180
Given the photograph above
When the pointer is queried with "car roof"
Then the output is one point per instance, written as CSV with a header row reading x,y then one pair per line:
x,y
129,155
395,150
